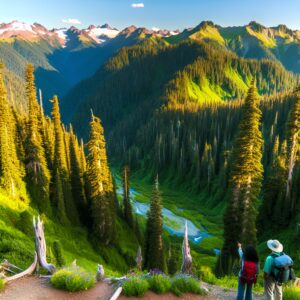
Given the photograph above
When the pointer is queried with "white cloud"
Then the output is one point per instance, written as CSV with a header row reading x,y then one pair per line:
x,y
71,21
155,29
137,5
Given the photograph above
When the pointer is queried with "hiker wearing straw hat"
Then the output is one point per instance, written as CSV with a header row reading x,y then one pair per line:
x,y
277,270
272,289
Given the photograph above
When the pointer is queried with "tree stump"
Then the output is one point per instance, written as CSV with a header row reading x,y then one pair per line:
x,y
100,273
186,267
40,245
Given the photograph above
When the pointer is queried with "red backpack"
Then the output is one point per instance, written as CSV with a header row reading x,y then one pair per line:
x,y
249,272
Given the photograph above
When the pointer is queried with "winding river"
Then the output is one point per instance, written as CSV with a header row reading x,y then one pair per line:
x,y
173,223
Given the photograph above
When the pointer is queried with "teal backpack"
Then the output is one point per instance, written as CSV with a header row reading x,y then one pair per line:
x,y
284,266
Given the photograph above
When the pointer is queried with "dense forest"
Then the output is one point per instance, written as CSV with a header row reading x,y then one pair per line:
x,y
186,112
180,120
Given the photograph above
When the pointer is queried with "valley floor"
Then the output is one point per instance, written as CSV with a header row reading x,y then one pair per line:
x,y
34,288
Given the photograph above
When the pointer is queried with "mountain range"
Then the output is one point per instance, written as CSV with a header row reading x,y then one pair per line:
x,y
66,56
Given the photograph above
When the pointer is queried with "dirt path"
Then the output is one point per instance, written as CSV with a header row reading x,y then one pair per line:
x,y
220,293
34,288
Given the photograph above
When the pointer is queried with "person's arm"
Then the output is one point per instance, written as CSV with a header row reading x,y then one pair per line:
x,y
268,267
240,250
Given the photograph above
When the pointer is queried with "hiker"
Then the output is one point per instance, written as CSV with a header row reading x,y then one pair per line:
x,y
277,270
248,273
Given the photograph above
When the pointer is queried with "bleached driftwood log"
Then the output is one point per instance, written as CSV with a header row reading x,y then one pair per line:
x,y
139,259
28,271
116,294
100,273
186,267
6,265
40,245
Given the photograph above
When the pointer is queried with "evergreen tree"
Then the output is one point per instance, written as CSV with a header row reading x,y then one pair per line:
x,y
274,208
101,187
11,169
126,198
37,172
154,248
76,175
173,260
293,137
137,230
62,187
245,183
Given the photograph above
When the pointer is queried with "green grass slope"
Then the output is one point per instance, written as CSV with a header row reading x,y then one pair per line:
x,y
17,240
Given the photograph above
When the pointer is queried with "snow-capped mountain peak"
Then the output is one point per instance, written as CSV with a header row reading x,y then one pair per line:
x,y
69,37
16,27
102,33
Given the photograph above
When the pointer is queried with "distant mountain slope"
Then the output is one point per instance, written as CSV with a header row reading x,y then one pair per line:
x,y
127,90
62,57
250,41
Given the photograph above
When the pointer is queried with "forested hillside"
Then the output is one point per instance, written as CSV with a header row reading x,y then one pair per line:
x,y
45,170
59,63
173,109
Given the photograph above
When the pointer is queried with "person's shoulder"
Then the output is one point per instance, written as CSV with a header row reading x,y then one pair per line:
x,y
269,258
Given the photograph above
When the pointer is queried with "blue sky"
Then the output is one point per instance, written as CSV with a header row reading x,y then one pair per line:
x,y
171,14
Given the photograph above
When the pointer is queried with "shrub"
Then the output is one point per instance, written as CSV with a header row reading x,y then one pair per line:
x,y
59,278
2,283
79,282
291,293
135,287
72,280
57,252
207,275
159,284
186,284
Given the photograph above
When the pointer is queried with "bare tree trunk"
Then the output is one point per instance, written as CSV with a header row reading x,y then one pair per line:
x,y
40,245
139,259
186,253
28,271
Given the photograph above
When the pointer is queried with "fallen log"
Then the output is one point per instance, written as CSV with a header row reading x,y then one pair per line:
x,y
40,245
116,294
28,271
5,263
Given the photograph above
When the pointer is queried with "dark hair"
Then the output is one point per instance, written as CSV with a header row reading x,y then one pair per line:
x,y
250,254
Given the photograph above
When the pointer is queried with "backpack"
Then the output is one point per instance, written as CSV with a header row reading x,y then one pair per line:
x,y
249,272
284,265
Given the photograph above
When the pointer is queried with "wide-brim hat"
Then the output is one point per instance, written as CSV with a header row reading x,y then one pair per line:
x,y
275,245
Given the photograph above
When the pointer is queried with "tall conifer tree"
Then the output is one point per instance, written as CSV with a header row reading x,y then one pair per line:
x,y
293,138
37,172
60,169
126,198
154,248
76,175
11,169
101,185
245,183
